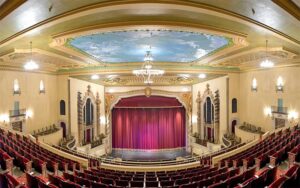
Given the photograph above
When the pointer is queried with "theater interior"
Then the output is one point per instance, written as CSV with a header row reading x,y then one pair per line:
x,y
149,93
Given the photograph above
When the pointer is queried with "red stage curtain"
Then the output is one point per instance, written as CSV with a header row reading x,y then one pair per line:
x,y
148,128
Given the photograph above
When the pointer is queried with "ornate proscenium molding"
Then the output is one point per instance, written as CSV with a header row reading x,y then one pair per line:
x,y
198,101
109,98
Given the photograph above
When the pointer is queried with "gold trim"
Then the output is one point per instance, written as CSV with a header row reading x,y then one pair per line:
x,y
289,6
208,9
8,6
150,107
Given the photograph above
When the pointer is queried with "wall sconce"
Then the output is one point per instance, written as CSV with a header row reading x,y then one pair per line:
x,y
42,87
17,90
4,118
279,84
28,114
254,85
268,111
292,116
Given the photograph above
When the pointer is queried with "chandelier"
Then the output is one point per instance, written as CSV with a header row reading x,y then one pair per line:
x,y
266,63
146,71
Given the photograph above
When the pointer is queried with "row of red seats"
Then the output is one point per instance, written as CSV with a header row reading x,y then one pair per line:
x,y
207,160
42,159
93,162
272,143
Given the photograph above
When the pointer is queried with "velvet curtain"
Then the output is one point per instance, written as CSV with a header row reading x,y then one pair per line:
x,y
148,128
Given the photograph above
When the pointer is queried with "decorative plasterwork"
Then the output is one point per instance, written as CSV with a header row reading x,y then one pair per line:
x,y
251,58
7,6
48,61
290,6
131,80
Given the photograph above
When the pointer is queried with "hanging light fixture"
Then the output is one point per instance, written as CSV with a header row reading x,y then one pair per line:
x,y
31,65
147,71
266,63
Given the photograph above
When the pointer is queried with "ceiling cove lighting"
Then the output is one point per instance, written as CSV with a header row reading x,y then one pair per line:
x,y
31,65
95,77
266,63
202,76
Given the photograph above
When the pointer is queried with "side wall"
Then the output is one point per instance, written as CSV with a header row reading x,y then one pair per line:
x,y
44,107
255,103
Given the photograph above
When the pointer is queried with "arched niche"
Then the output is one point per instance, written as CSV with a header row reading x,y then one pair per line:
x,y
88,116
208,115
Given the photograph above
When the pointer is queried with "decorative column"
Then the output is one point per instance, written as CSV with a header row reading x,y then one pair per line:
x,y
80,116
217,116
98,102
198,101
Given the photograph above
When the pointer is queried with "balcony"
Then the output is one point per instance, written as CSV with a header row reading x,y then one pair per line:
x,y
279,110
17,113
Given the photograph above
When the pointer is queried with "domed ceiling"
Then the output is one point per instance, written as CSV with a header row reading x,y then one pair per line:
x,y
165,45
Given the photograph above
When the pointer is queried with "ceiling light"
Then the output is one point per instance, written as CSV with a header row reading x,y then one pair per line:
x,y
146,70
31,65
95,77
266,63
202,76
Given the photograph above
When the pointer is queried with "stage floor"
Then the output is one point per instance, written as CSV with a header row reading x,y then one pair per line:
x,y
149,155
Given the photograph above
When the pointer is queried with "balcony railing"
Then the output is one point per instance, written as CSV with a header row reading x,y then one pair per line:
x,y
279,109
17,113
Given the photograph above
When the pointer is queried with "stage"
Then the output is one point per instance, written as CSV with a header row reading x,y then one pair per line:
x,y
149,155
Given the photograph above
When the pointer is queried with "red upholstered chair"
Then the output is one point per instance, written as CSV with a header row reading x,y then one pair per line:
x,y
249,173
151,183
164,178
218,185
82,181
12,182
233,181
98,185
46,185
137,184
55,180
278,183
107,181
123,183
68,176
166,183
151,178
68,184
32,181
190,185
182,181
205,182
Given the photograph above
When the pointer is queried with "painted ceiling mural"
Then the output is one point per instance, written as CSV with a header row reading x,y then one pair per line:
x,y
165,45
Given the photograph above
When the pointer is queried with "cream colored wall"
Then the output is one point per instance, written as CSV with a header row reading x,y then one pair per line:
x,y
215,84
62,94
81,86
252,104
43,106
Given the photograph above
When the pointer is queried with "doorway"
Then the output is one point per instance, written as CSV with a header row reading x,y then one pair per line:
x,y
233,125
64,128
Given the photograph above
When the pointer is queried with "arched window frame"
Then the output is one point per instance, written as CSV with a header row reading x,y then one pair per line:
x,y
234,105
62,107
